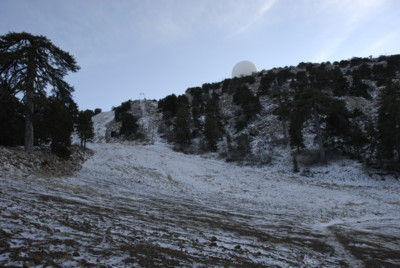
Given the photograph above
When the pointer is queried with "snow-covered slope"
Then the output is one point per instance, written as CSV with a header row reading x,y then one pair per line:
x,y
138,206
100,122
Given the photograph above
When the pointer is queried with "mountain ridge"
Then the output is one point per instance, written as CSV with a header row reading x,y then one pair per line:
x,y
250,119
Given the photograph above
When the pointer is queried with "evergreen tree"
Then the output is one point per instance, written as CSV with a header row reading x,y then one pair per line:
x,y
84,126
182,121
340,133
197,111
330,119
168,106
129,126
29,64
296,121
340,84
266,82
358,88
249,103
281,98
212,126
58,122
389,121
11,121
309,105
242,149
121,110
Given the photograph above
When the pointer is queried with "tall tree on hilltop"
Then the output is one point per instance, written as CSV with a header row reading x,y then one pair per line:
x,y
197,109
168,106
310,104
389,121
281,98
249,103
182,121
329,117
30,63
212,126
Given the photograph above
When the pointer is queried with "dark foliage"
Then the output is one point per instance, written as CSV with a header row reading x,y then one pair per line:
x,y
212,126
389,122
307,99
168,106
28,65
182,126
121,110
129,126
247,101
59,123
359,88
266,82
11,122
84,126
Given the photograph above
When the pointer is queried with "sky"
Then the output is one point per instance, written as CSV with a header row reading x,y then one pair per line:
x,y
130,49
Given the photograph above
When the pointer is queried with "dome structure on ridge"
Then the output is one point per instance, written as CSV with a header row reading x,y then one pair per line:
x,y
244,68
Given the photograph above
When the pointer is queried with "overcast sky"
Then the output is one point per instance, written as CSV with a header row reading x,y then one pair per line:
x,y
160,47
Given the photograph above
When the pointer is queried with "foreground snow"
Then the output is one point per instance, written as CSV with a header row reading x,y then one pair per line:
x,y
150,206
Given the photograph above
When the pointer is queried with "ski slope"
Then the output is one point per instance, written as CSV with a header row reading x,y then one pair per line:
x,y
136,205
133,205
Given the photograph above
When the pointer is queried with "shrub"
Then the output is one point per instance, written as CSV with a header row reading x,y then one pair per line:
x,y
129,126
60,150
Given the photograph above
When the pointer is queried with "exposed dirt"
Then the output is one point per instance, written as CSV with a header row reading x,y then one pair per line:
x,y
40,162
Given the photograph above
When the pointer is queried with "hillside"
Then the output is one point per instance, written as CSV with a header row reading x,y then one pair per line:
x,y
312,113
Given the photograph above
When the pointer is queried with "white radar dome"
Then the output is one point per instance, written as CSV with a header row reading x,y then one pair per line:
x,y
244,68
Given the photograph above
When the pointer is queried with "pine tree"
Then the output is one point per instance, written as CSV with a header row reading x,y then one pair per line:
x,y
182,121
283,109
29,64
296,121
212,126
242,146
84,126
309,105
197,110
266,82
168,106
247,101
358,88
129,126
11,121
121,110
340,84
58,122
389,121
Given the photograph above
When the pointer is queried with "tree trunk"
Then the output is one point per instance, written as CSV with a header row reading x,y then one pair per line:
x,y
283,121
320,138
29,108
28,122
285,135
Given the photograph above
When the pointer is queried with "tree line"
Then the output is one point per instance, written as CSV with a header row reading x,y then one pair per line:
x,y
307,99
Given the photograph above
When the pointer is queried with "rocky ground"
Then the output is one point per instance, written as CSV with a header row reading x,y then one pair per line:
x,y
16,162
